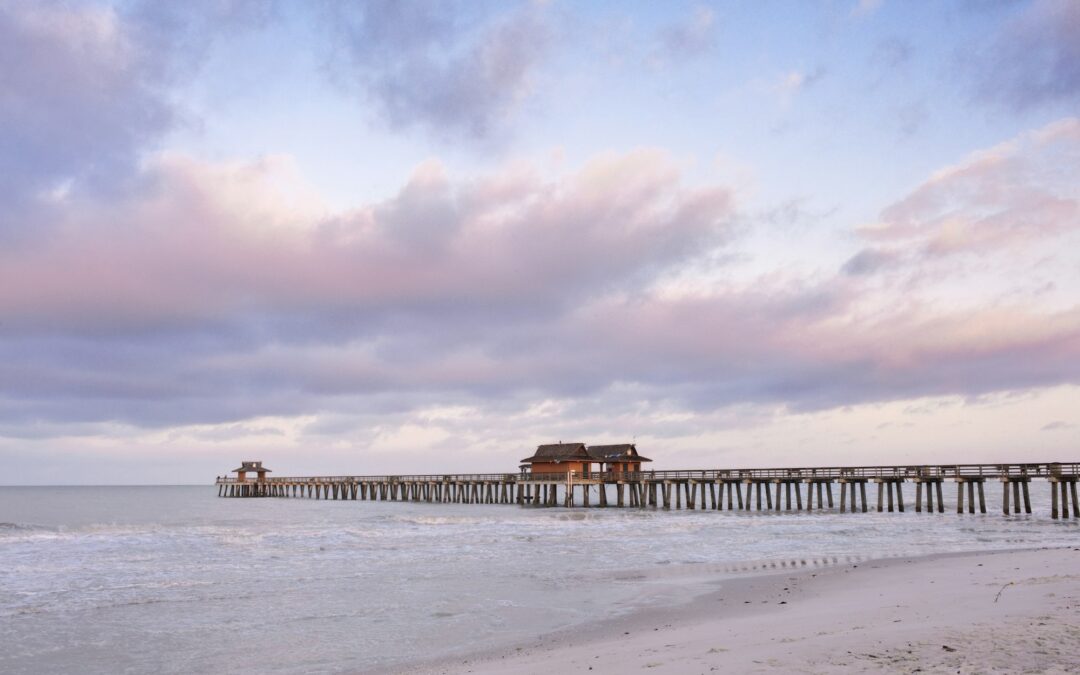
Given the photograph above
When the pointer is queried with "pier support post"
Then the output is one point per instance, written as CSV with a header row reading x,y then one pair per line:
x,y
880,496
1053,499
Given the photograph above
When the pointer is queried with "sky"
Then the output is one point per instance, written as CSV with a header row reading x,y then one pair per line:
x,y
399,237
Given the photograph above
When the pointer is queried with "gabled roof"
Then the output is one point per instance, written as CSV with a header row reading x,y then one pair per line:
x,y
559,452
621,452
253,467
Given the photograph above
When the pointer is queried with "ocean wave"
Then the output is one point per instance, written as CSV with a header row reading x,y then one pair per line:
x,y
438,520
23,527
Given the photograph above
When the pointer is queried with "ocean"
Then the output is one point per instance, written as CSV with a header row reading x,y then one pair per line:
x,y
176,580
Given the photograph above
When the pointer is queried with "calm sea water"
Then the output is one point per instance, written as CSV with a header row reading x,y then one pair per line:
x,y
175,580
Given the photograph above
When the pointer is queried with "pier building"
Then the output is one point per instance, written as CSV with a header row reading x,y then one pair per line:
x,y
559,458
250,466
622,458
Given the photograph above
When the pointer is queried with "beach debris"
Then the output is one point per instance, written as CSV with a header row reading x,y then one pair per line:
x,y
1000,590
948,648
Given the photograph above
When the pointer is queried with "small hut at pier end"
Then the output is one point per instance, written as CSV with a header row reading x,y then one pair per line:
x,y
621,458
251,467
559,458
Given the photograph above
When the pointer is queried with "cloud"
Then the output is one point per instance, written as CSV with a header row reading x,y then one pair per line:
x,y
219,293
1058,425
79,96
892,53
85,92
210,300
1020,192
866,7
207,242
1034,59
688,38
788,85
209,297
213,296
437,65
870,261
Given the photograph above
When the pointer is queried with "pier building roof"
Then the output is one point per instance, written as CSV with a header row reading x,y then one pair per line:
x,y
621,452
252,467
559,452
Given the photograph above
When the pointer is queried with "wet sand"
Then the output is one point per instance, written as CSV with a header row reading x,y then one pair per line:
x,y
1014,611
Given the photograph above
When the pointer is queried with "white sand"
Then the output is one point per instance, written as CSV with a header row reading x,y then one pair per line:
x,y
991,612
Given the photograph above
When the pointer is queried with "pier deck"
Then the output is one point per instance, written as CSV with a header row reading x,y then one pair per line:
x,y
769,489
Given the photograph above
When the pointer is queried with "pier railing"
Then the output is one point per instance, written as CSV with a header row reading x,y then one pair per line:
x,y
886,472
914,471
924,471
400,478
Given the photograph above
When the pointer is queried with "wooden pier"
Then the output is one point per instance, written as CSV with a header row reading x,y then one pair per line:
x,y
708,489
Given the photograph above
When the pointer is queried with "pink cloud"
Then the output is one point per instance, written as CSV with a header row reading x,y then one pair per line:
x,y
1019,192
203,242
216,295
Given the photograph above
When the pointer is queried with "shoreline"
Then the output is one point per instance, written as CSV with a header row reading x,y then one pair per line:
x,y
1005,610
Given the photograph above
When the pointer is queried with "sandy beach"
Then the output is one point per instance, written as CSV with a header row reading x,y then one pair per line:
x,y
969,613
